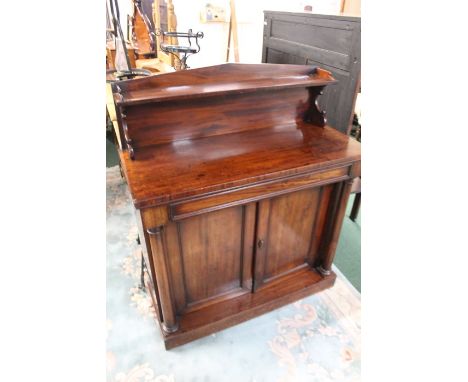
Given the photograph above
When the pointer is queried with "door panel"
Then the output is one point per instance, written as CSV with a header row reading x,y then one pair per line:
x,y
285,233
289,232
215,257
209,257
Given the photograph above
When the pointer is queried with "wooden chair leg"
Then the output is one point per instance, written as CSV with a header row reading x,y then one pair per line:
x,y
356,206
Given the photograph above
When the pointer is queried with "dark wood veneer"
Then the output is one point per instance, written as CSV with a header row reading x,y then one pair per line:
x,y
240,189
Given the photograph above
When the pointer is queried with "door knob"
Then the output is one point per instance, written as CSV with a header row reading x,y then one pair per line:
x,y
260,243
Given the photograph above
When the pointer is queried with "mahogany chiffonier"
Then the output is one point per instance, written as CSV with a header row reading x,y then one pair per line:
x,y
240,190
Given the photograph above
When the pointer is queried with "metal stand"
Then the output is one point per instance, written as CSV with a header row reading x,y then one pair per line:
x,y
185,51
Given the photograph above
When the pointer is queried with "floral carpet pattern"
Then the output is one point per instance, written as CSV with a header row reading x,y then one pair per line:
x,y
316,339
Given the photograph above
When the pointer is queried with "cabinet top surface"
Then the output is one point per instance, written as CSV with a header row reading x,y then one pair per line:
x,y
194,167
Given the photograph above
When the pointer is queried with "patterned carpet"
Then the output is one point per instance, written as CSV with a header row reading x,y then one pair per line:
x,y
315,339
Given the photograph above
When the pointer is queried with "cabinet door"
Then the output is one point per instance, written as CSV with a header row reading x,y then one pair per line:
x,y
289,228
210,256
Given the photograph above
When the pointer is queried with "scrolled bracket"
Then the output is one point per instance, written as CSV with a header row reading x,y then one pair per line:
x,y
128,140
314,114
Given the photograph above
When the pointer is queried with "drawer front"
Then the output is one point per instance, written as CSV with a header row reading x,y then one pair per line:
x,y
215,202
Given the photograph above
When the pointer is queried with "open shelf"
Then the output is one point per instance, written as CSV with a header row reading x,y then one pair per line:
x,y
174,93
175,86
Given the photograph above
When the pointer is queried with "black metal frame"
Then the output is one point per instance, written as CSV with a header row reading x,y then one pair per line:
x,y
117,32
186,51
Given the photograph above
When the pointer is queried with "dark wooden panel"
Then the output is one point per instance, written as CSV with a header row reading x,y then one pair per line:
x,y
211,256
290,230
211,259
284,233
179,120
279,57
331,42
314,35
295,49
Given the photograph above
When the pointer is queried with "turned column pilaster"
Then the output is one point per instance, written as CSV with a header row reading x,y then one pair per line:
x,y
161,265
338,210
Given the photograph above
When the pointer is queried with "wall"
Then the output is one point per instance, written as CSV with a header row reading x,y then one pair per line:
x,y
250,25
352,8
213,45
